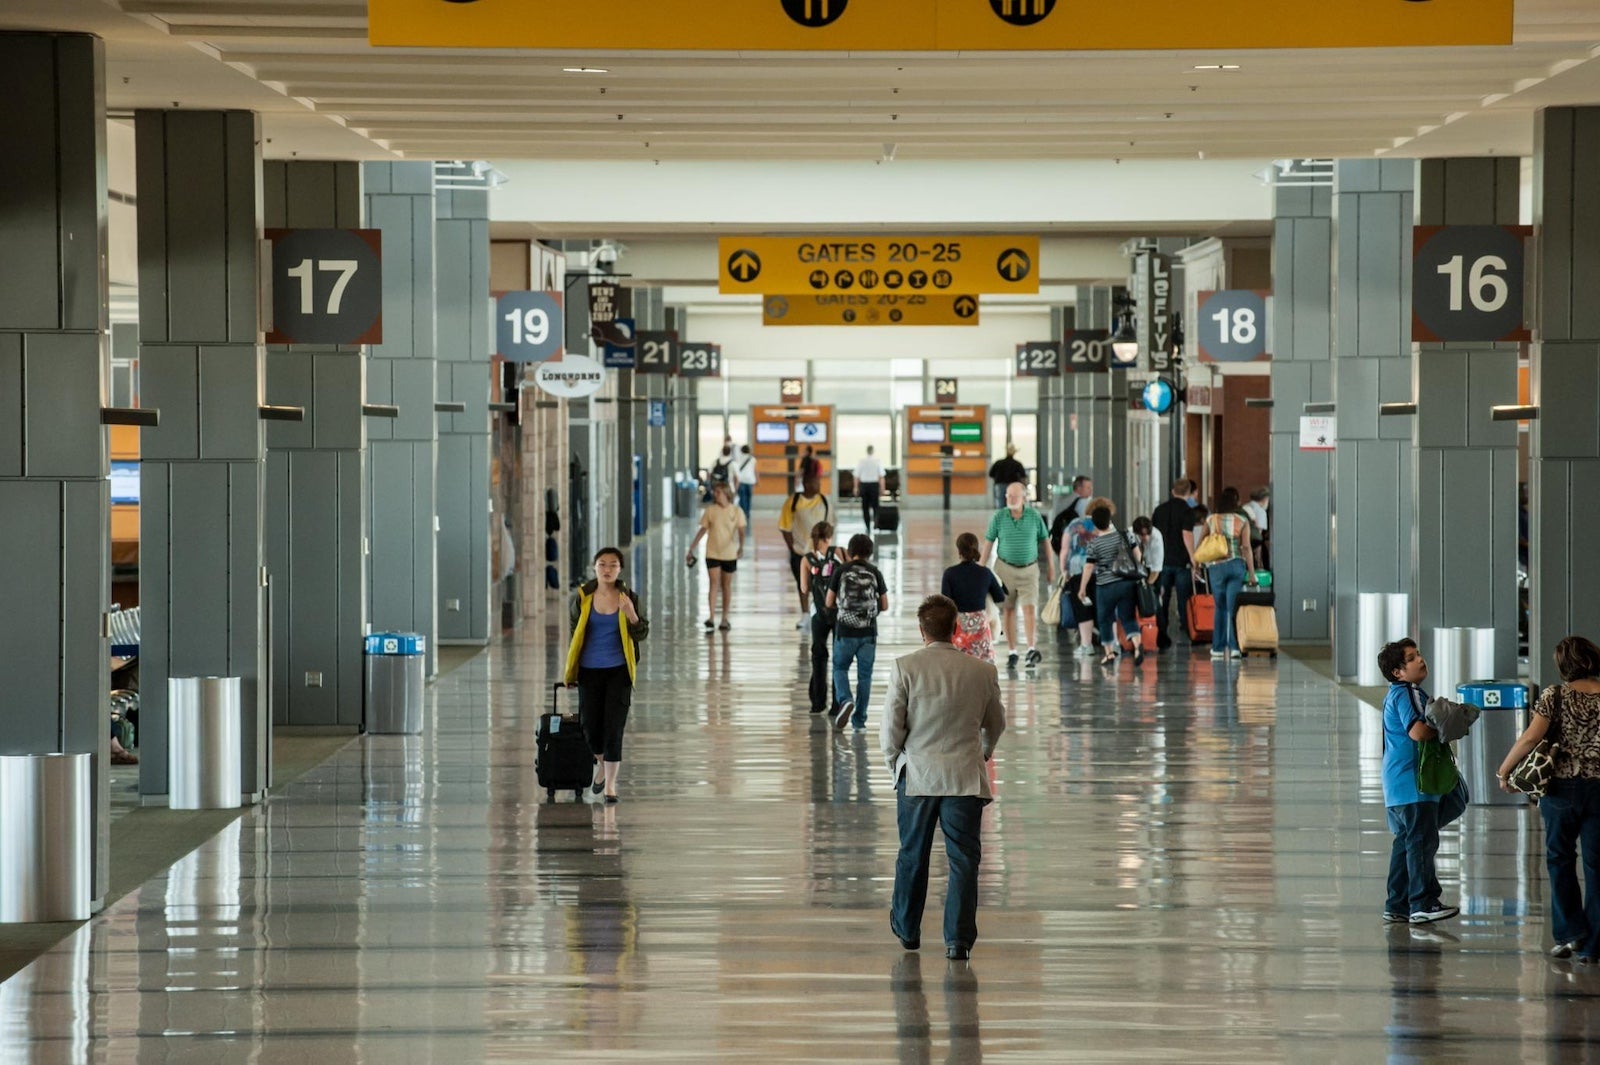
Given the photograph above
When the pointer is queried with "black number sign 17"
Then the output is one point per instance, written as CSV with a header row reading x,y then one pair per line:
x,y
327,286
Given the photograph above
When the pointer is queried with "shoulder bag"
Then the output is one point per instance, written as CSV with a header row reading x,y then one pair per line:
x,y
1212,548
1436,768
1051,612
1532,775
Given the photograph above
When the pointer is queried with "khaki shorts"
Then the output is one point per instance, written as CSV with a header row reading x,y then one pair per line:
x,y
1022,583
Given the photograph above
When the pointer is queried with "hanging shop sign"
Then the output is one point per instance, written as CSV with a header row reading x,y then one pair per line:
x,y
1467,283
529,326
1152,292
574,377
1231,326
932,25
1086,351
327,286
620,352
699,360
656,352
609,305
881,308
873,265
1039,358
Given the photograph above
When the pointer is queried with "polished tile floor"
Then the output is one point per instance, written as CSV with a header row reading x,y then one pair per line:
x,y
1185,863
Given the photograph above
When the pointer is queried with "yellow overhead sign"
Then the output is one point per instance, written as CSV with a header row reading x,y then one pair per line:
x,y
905,265
879,309
935,25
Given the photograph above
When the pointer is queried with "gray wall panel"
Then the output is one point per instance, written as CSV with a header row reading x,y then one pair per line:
x,y
155,648
289,383
169,382
352,586
81,153
198,588
63,382
30,513
338,387
85,675
314,577
11,423
30,296
230,402
413,392
196,246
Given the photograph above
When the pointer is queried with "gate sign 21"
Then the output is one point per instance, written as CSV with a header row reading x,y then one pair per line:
x,y
1467,283
1232,325
327,286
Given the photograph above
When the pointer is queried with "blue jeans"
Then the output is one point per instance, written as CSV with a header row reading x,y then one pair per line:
x,y
745,492
1173,579
863,650
1227,580
961,817
1413,883
1114,602
1571,813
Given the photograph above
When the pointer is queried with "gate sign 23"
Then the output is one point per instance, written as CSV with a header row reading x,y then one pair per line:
x,y
1232,325
327,286
529,326
699,360
1467,283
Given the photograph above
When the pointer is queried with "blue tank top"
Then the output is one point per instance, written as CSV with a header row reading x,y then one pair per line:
x,y
602,643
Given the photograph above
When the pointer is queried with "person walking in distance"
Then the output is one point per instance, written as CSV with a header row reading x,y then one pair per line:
x,y
970,586
1082,495
1006,472
1075,540
1256,511
602,663
1018,539
745,478
859,594
800,512
817,571
869,483
1227,577
1174,523
1112,566
722,527
940,726
810,465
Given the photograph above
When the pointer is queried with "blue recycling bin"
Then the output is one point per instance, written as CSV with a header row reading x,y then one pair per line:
x,y
1504,706
396,673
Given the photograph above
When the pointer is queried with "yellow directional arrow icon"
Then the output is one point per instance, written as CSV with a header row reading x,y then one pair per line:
x,y
966,306
745,265
1014,264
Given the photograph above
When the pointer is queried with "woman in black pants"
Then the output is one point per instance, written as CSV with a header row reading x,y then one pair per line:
x,y
602,661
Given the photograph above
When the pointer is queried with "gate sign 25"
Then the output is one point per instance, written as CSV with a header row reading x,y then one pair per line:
x,y
1467,283
529,326
700,360
1038,358
327,286
1232,325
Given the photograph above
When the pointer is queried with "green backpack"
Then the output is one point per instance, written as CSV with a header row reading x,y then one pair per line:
x,y
1436,768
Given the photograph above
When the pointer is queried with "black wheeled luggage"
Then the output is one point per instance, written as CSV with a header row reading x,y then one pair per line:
x,y
561,754
888,517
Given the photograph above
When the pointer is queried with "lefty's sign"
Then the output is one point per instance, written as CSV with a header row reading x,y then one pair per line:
x,y
873,265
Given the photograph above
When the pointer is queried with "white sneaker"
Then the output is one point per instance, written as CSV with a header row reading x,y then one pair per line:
x,y
804,618
1218,654
1234,654
1083,650
1438,913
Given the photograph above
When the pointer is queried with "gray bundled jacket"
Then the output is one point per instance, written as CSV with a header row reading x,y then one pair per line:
x,y
1451,720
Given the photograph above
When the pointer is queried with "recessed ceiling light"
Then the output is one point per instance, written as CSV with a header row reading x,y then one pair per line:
x,y
1217,66
584,70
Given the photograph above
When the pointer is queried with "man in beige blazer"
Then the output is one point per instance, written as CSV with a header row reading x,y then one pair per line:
x,y
943,719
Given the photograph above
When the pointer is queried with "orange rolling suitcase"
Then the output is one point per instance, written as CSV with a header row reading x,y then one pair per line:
x,y
1147,634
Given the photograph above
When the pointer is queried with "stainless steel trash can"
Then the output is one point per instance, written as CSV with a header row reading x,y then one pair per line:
x,y
395,678
1458,656
1380,618
46,869
205,759
1505,706
683,497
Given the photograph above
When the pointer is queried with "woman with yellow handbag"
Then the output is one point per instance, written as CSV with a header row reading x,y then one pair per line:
x,y
1230,566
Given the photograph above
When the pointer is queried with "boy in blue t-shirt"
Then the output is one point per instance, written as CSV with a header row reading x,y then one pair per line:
x,y
1414,816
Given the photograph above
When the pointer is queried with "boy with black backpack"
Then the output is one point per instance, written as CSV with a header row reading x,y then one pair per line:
x,y
817,571
859,594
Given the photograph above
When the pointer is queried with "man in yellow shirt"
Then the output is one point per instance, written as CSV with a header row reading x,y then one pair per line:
x,y
800,512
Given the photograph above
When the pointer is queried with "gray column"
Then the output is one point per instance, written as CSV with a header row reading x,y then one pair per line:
x,y
402,453
201,365
1565,468
1302,372
465,345
316,482
1466,463
1102,435
1372,213
54,498
649,313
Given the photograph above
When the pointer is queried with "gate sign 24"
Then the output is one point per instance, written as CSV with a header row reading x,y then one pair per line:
x,y
327,286
1467,283
1232,325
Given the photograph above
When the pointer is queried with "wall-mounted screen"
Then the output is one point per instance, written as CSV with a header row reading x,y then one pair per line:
x,y
811,432
966,432
927,432
125,483
772,432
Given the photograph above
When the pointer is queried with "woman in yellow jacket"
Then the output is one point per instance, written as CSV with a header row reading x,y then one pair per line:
x,y
602,660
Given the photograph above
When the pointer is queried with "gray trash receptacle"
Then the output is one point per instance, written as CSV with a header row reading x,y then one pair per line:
x,y
683,497
205,747
396,675
46,872
1504,704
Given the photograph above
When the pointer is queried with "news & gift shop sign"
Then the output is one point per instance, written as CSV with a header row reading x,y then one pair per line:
x,y
934,25
873,265
882,308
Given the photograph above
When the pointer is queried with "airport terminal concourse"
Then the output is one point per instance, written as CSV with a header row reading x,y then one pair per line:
x,y
799,530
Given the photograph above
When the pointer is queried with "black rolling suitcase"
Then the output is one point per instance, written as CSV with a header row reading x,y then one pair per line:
x,y
561,754
888,517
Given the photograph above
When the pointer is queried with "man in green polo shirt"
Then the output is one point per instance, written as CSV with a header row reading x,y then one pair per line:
x,y
1017,535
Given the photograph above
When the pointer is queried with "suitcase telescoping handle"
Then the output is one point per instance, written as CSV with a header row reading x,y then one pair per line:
x,y
555,697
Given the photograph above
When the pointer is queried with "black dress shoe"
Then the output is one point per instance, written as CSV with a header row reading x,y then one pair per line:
x,y
957,952
909,944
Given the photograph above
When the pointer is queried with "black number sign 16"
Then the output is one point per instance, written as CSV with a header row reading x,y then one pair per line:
x,y
1467,283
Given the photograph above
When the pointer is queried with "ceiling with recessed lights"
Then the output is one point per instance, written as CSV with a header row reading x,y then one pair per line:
x,y
323,91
